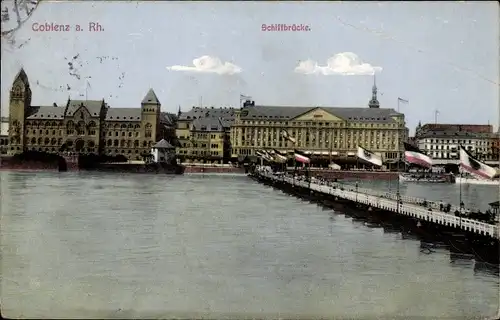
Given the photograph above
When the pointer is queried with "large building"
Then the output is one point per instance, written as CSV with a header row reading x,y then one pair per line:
x,y
83,126
320,131
4,135
442,141
204,134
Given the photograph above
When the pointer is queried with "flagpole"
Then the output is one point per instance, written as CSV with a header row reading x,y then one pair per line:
x,y
398,194
357,181
460,192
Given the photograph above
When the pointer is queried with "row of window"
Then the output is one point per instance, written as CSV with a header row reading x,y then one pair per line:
x,y
71,124
335,124
452,141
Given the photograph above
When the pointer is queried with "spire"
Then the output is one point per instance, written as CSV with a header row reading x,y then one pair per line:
x,y
374,101
179,112
150,98
21,76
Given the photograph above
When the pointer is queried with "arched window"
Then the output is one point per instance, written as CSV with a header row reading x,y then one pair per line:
x,y
80,128
144,144
130,126
92,128
17,91
137,126
123,126
115,143
33,140
70,127
39,141
147,133
136,144
60,141
110,142
53,141
47,141
117,126
122,143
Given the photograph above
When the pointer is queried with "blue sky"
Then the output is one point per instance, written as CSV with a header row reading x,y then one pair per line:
x,y
440,56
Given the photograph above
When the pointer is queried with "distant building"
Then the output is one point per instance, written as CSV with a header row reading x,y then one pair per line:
x,y
4,135
203,134
168,125
83,126
442,141
495,147
320,131
472,128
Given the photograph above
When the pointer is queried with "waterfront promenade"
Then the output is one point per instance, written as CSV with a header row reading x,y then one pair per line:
x,y
408,206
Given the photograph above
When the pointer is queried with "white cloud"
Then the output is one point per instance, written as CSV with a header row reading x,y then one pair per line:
x,y
208,64
344,63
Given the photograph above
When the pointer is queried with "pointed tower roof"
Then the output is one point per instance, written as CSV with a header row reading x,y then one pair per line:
x,y
374,101
150,98
21,75
163,144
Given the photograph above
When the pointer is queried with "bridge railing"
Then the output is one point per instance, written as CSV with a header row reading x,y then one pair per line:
x,y
414,200
382,201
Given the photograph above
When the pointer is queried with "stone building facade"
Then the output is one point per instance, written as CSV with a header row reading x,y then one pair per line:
x,y
82,126
320,131
442,141
204,134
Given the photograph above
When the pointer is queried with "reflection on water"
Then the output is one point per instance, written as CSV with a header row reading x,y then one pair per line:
x,y
86,245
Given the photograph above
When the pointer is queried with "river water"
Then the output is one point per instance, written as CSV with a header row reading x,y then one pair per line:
x,y
78,245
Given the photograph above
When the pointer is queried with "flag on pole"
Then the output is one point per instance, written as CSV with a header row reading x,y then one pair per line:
x,y
243,97
403,100
301,157
416,156
474,166
369,156
279,156
264,155
287,136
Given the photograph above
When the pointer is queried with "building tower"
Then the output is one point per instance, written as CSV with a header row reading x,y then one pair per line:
x,y
19,104
374,102
150,118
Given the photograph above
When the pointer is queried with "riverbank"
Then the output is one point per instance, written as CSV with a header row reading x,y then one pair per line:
x,y
72,164
200,168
